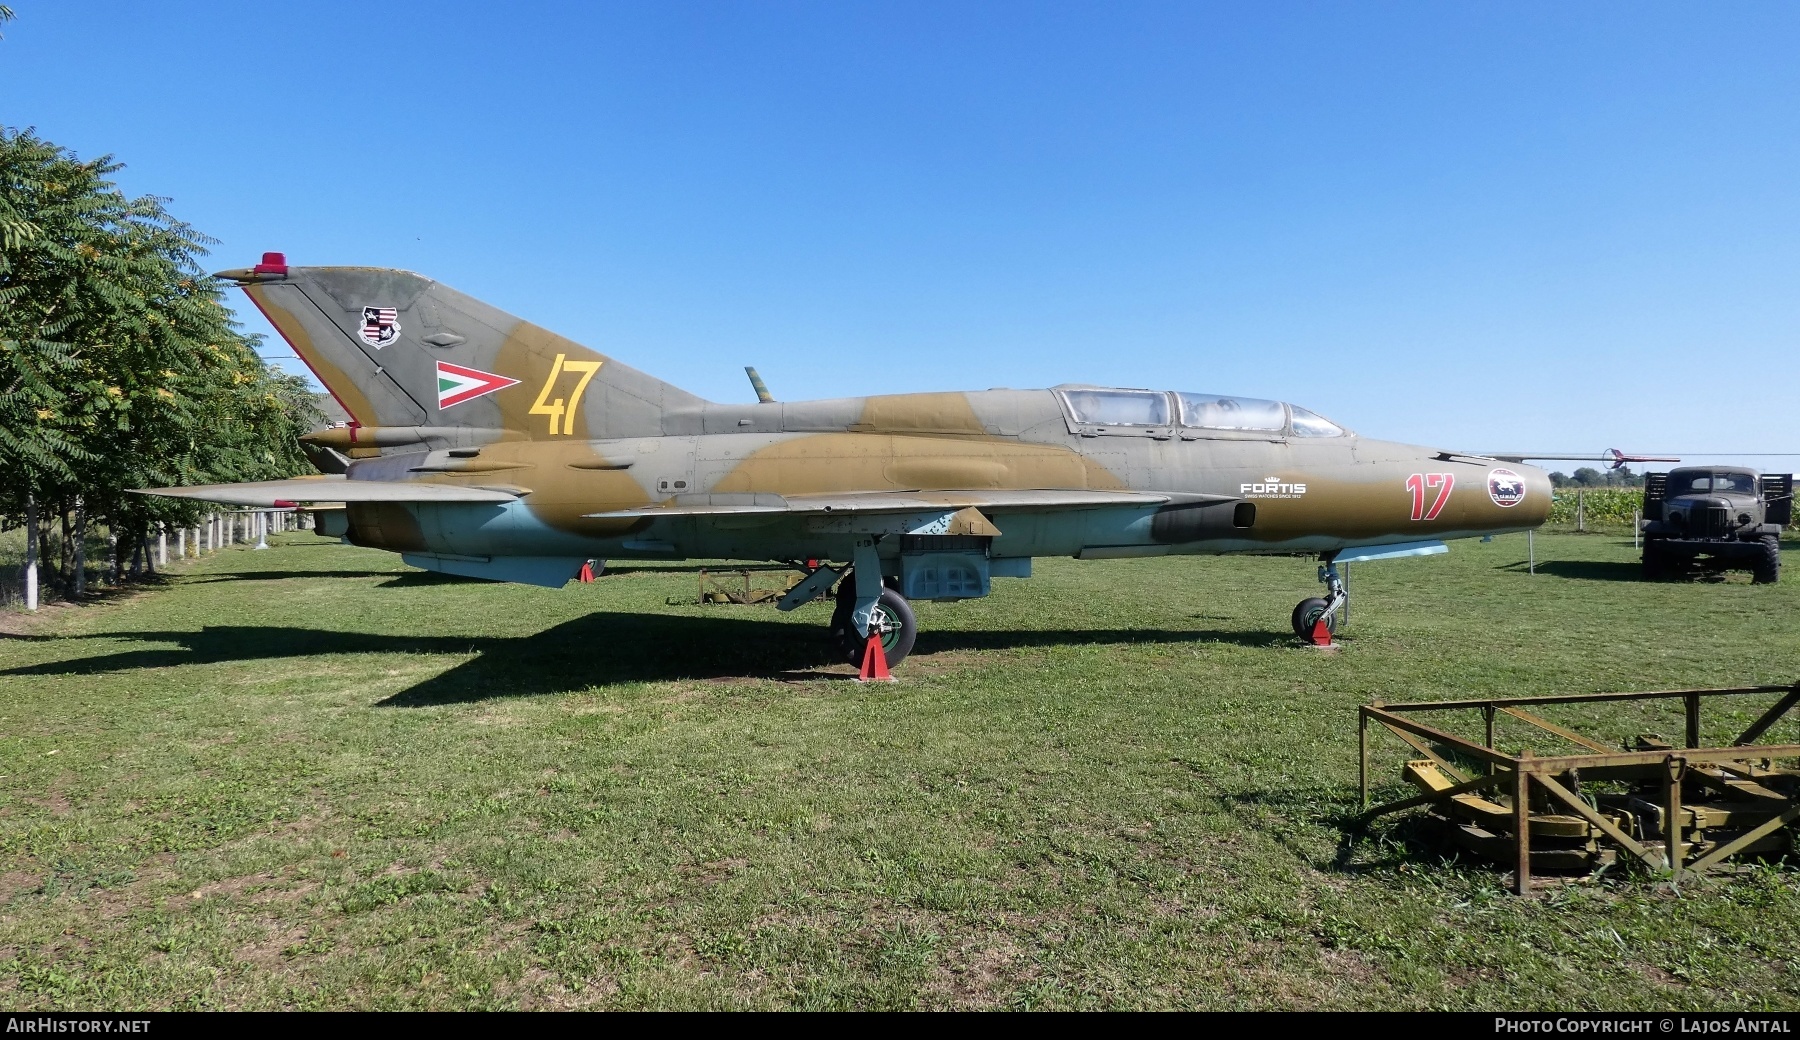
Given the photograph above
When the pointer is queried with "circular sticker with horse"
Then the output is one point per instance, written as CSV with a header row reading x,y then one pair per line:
x,y
1506,488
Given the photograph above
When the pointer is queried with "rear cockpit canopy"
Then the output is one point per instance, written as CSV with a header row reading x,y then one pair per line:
x,y
1150,409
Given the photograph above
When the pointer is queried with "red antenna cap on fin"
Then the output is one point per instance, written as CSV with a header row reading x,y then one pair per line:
x,y
273,263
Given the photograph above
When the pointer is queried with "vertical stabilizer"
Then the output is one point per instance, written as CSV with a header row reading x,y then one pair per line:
x,y
397,349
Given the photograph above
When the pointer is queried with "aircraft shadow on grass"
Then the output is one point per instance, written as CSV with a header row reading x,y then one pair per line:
x,y
205,579
1587,570
596,650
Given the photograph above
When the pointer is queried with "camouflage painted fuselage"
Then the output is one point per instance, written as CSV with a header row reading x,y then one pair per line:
x,y
447,390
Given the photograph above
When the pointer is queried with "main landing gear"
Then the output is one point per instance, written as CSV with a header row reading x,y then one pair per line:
x,y
1316,619
891,619
886,614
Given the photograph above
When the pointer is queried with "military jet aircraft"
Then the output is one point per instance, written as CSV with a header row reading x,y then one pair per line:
x,y
485,446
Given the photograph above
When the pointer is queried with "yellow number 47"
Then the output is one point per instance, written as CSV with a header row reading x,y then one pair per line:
x,y
562,415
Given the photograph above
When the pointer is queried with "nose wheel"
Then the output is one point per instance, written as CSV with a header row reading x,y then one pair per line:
x,y
1316,619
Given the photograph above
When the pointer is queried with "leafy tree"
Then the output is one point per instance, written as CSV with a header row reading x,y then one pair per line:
x,y
120,366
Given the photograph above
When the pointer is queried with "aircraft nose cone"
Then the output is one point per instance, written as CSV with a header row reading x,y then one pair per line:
x,y
1533,508
1505,496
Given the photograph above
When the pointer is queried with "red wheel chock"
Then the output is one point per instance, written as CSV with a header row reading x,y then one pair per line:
x,y
587,572
874,662
1321,633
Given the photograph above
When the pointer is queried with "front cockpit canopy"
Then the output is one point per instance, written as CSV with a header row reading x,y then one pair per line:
x,y
1152,408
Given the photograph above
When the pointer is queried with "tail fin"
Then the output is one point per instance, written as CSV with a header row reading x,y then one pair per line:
x,y
396,349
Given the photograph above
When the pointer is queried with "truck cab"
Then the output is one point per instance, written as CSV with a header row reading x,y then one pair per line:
x,y
1715,518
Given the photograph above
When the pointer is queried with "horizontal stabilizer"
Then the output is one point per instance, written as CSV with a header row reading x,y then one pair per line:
x,y
1612,456
278,494
893,502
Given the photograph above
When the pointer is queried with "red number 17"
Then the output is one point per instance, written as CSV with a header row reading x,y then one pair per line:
x,y
1418,482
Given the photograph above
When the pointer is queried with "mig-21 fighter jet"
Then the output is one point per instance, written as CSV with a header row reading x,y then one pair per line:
x,y
484,446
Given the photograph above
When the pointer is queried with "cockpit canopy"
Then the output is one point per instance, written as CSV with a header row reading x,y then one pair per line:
x,y
1152,408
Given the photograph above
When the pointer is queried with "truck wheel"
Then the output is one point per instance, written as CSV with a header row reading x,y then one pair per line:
x,y
1767,568
1656,566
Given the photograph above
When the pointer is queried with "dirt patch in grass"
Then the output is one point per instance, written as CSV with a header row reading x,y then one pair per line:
x,y
232,888
1351,966
1662,977
719,870
981,972
14,882
53,800
276,947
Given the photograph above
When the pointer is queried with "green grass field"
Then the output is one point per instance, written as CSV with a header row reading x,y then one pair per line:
x,y
309,777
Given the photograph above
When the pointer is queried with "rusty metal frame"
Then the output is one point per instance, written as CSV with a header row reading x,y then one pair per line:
x,y
1519,774
712,581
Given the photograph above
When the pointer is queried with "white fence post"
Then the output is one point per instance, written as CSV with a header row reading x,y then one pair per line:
x,y
80,547
262,529
1581,509
162,545
181,543
31,552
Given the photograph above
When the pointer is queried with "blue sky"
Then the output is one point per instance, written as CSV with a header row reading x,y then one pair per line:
x,y
1482,226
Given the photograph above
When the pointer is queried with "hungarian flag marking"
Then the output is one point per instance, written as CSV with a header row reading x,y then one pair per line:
x,y
457,384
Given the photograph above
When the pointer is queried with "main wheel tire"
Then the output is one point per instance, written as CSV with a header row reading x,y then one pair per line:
x,y
1306,614
893,619
1767,568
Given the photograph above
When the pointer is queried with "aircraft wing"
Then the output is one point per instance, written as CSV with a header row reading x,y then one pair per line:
x,y
284,494
902,502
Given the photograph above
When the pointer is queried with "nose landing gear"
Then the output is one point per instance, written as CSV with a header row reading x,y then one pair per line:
x,y
1316,619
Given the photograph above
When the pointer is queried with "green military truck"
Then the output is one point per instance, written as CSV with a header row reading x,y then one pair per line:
x,y
1715,518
